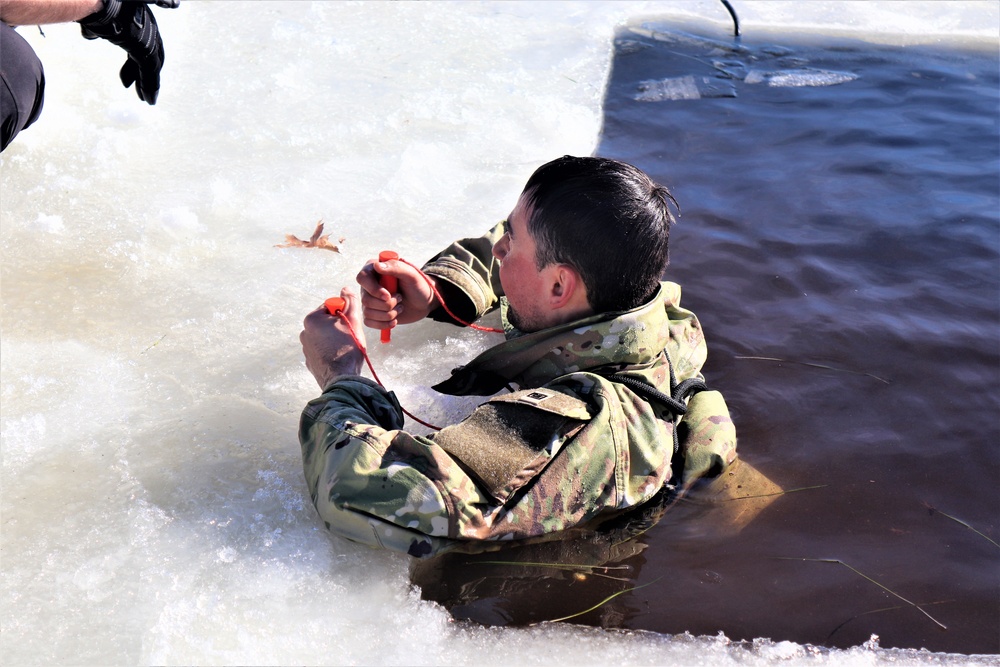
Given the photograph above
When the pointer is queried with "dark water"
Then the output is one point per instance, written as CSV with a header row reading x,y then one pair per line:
x,y
851,231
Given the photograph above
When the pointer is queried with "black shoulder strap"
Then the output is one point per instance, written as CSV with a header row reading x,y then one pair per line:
x,y
674,403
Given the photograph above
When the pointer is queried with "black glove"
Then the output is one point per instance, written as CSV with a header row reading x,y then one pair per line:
x,y
131,26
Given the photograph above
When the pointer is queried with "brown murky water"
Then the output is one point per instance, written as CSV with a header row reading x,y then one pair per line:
x,y
840,240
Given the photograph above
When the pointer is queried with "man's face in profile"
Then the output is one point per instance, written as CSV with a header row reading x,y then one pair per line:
x,y
519,275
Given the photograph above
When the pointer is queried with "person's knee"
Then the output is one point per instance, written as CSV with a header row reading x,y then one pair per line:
x,y
22,85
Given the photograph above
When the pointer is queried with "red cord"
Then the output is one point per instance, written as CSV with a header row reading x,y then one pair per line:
x,y
455,317
336,305
364,353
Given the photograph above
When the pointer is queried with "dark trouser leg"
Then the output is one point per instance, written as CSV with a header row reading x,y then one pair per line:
x,y
22,85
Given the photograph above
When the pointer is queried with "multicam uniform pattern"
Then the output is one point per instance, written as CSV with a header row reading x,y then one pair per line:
x,y
570,446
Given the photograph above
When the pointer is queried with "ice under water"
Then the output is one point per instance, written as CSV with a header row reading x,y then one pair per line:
x,y
152,504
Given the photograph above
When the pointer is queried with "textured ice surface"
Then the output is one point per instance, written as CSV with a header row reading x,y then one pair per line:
x,y
684,88
153,505
793,78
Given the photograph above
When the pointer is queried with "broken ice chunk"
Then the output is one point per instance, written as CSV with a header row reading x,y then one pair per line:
x,y
683,88
795,78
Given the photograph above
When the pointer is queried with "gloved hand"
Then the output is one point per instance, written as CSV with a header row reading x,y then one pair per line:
x,y
131,26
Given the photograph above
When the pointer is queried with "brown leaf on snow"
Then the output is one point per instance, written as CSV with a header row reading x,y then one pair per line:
x,y
318,240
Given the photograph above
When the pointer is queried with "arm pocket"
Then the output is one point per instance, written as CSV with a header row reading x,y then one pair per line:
x,y
510,439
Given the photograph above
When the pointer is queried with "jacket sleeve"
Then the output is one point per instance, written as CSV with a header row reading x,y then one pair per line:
x,y
374,483
707,437
468,277
521,465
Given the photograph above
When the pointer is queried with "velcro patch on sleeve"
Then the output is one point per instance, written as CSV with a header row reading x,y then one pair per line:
x,y
548,400
506,441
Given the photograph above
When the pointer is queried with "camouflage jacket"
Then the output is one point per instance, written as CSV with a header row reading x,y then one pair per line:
x,y
591,432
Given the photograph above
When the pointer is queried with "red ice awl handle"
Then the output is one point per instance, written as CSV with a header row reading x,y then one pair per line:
x,y
390,283
335,304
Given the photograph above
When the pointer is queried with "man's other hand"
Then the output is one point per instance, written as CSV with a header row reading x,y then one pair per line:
x,y
327,344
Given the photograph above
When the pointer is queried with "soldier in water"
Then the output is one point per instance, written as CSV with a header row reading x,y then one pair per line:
x,y
606,405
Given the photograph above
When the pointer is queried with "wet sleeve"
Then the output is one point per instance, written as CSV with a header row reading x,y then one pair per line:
x,y
374,483
468,277
707,437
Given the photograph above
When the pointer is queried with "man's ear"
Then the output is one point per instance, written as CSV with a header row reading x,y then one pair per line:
x,y
566,289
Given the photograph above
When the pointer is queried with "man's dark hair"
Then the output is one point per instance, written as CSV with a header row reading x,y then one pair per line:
x,y
606,219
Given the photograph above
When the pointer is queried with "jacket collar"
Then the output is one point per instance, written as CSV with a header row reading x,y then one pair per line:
x,y
610,341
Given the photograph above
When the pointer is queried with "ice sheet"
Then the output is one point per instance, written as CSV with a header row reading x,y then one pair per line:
x,y
153,507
